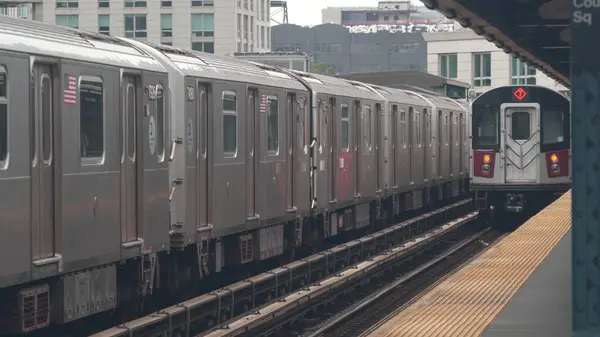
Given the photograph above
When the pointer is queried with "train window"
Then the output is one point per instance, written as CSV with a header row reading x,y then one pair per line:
x,y
553,127
229,123
394,126
403,128
367,127
3,118
300,121
418,128
428,139
273,126
520,125
46,109
160,123
486,127
345,127
323,129
446,128
131,122
91,118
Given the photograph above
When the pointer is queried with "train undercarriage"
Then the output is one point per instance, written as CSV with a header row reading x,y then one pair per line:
x,y
123,291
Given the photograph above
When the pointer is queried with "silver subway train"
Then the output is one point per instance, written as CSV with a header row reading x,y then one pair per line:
x,y
128,167
521,148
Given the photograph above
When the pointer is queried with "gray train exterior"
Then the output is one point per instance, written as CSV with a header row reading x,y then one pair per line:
x,y
126,160
82,173
521,147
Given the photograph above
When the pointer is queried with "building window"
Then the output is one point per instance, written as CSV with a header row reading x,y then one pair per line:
x,y
68,20
130,4
166,4
67,4
522,73
104,24
273,126
203,25
91,118
329,48
3,118
135,26
103,3
229,124
448,65
207,47
482,69
203,3
166,25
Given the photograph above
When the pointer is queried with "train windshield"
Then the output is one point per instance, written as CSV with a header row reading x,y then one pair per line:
x,y
486,127
553,127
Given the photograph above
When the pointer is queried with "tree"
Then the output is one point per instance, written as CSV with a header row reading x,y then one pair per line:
x,y
322,68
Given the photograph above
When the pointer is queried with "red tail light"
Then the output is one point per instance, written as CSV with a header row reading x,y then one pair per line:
x,y
557,163
483,163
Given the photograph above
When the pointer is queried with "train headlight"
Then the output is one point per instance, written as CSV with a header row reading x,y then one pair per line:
x,y
487,158
485,168
554,158
554,168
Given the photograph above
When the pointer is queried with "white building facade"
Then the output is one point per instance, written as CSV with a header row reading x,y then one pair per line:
x,y
468,57
215,26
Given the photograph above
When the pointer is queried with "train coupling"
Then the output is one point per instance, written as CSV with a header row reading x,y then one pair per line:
x,y
515,202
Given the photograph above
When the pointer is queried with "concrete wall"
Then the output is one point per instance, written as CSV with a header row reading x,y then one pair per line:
x,y
349,53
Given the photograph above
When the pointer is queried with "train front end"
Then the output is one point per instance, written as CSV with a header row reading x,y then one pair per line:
x,y
520,145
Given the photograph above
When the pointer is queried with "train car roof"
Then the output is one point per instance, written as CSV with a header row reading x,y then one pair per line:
x,y
33,37
329,85
442,102
504,88
204,65
395,95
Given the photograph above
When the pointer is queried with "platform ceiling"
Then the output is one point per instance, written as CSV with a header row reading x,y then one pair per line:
x,y
536,31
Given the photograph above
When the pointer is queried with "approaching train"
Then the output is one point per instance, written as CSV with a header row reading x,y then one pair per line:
x,y
128,167
521,147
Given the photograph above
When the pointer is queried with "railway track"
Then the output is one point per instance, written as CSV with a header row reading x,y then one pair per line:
x,y
290,315
211,310
378,305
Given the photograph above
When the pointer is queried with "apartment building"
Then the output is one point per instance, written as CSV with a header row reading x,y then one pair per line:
x,y
386,13
467,57
214,26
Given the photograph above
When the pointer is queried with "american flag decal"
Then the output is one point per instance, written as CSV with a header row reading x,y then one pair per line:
x,y
70,94
263,104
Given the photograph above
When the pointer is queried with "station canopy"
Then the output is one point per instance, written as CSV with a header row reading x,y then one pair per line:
x,y
536,31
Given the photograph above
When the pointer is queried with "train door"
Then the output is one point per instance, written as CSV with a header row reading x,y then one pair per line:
x,y
378,149
357,146
129,172
394,145
441,124
451,140
411,143
44,123
461,141
203,155
521,143
291,153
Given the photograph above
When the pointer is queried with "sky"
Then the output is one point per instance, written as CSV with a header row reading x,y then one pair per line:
x,y
308,12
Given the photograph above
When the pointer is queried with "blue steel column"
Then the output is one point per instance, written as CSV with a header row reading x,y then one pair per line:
x,y
585,80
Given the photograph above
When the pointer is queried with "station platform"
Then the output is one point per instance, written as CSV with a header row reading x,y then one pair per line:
x,y
520,287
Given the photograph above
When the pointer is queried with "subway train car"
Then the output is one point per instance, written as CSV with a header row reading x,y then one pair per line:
x,y
521,147
131,168
83,172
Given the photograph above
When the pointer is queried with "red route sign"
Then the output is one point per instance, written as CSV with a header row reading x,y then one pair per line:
x,y
520,94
